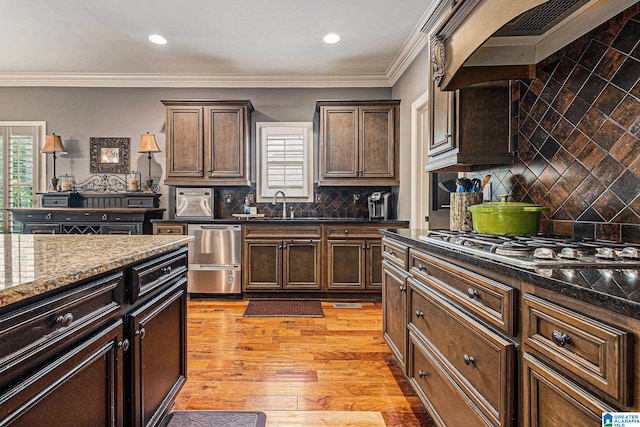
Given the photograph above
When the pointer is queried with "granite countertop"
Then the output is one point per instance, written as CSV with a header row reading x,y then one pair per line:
x,y
296,220
35,264
613,289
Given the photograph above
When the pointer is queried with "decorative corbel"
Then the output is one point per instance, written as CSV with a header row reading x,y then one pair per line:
x,y
437,59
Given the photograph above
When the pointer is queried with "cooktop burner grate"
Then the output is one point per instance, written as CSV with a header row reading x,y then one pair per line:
x,y
539,250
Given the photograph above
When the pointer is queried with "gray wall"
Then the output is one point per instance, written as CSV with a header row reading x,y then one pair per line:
x,y
79,113
412,84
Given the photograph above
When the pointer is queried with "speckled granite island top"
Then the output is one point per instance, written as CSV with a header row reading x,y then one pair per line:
x,y
35,264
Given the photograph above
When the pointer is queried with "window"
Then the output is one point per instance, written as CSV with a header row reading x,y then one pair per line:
x,y
285,160
19,160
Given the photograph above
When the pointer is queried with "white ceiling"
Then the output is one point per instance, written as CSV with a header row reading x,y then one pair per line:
x,y
212,43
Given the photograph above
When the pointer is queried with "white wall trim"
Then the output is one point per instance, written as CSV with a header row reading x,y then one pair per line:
x,y
419,178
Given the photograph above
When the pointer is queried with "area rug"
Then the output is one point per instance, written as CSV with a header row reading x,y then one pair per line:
x,y
215,418
283,308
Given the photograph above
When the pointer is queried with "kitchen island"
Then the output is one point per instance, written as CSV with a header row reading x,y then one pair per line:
x,y
92,328
486,343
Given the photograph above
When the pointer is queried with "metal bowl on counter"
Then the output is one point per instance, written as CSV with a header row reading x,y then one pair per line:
x,y
507,218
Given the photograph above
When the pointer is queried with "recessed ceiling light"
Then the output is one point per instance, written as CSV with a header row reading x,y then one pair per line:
x,y
331,38
157,39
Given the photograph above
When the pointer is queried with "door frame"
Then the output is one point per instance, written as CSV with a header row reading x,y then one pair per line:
x,y
420,185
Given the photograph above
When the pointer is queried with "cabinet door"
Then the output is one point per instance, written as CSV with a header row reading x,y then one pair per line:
x,y
184,142
338,142
442,121
394,311
80,387
346,264
373,263
157,357
552,400
301,265
225,143
377,142
263,265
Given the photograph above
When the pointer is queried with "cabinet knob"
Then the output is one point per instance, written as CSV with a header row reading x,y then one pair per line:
x,y
472,293
104,217
124,345
346,231
403,288
140,333
48,216
166,270
65,320
447,135
169,231
392,252
422,374
560,339
419,313
468,360
422,268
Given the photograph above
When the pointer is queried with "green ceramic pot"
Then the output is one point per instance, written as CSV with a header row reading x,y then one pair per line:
x,y
506,218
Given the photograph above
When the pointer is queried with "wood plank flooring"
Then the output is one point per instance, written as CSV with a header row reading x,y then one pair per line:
x,y
330,371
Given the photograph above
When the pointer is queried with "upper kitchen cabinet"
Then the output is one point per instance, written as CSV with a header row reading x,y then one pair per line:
x,y
208,142
470,127
358,142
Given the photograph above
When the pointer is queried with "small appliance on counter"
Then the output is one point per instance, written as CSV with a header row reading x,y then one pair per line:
x,y
379,205
195,203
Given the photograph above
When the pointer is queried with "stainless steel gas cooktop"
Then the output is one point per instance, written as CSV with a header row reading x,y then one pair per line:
x,y
539,251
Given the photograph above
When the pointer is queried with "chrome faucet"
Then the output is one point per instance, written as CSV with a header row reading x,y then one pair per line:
x,y
284,202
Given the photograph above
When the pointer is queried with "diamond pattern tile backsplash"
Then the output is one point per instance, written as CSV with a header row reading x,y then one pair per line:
x,y
579,136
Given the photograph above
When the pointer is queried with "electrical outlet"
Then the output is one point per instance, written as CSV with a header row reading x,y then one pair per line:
x,y
251,198
356,198
318,198
486,193
227,198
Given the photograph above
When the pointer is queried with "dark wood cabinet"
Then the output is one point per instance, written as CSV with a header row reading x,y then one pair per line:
x,y
86,220
107,351
358,142
208,142
470,127
157,365
394,316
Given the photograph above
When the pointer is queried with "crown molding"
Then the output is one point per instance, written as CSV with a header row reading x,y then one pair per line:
x,y
193,80
414,44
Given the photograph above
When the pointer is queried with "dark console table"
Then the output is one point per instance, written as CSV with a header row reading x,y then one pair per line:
x,y
89,213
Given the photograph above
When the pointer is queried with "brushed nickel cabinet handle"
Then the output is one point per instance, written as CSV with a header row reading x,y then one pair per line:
x,y
468,360
124,345
472,293
419,313
422,374
65,320
141,333
48,216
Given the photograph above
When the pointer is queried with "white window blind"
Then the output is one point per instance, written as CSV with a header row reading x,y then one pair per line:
x,y
284,159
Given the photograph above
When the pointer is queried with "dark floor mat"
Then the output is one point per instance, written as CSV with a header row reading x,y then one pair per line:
x,y
215,419
283,308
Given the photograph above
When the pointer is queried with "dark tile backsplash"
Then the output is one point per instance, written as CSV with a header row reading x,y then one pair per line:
x,y
335,202
579,136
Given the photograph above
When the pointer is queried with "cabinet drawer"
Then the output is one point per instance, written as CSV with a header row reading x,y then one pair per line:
x,y
595,352
550,399
38,327
176,229
395,253
284,232
55,201
491,301
120,229
444,400
353,231
482,361
153,274
34,228
140,202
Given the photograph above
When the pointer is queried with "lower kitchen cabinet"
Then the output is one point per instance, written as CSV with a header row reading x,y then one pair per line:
x,y
82,386
157,368
394,321
107,351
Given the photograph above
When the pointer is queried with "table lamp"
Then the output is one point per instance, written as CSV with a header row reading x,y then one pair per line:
x,y
148,145
53,144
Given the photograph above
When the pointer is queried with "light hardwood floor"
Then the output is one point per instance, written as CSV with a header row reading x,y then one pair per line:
x,y
330,371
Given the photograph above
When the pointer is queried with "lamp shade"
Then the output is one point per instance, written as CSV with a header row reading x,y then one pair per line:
x,y
148,144
53,144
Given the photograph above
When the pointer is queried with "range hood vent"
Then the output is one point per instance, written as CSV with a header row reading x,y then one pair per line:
x,y
540,19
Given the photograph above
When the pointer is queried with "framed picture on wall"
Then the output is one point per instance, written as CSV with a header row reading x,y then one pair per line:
x,y
109,155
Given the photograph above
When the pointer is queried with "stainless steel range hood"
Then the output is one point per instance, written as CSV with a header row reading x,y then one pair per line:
x,y
504,39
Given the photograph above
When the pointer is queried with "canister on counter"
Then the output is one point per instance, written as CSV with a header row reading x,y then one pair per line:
x,y
459,217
